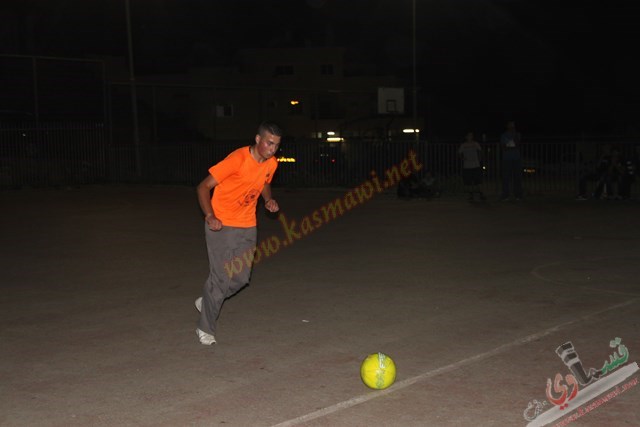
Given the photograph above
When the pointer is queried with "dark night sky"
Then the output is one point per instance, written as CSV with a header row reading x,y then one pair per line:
x,y
552,66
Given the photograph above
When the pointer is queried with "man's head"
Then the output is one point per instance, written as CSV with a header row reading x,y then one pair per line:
x,y
270,127
511,126
267,140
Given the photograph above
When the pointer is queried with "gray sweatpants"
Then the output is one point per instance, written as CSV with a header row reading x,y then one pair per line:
x,y
230,253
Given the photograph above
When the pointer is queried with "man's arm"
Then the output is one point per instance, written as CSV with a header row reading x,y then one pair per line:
x,y
204,199
270,204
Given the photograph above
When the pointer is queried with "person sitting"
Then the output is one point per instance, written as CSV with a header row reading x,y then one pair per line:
x,y
407,187
597,175
411,187
429,186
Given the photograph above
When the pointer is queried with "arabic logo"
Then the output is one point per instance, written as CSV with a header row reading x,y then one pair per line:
x,y
564,389
616,359
567,353
537,406
558,387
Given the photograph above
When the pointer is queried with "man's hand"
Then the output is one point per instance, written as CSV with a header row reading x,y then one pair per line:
x,y
271,205
213,222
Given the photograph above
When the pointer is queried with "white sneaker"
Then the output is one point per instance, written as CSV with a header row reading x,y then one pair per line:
x,y
205,338
199,304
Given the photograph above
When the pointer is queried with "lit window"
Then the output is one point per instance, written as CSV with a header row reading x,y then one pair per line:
x,y
295,107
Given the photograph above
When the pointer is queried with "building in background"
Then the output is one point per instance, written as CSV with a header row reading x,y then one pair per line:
x,y
314,92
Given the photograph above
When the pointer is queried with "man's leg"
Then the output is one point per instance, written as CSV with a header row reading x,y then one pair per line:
x,y
507,174
223,247
517,178
601,186
625,186
584,180
467,182
478,182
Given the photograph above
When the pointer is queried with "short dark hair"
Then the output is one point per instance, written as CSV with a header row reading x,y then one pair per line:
x,y
270,127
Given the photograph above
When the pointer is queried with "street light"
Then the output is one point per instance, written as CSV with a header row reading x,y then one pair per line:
x,y
415,89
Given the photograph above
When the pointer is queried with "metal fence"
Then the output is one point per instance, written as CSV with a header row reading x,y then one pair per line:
x,y
77,153
52,154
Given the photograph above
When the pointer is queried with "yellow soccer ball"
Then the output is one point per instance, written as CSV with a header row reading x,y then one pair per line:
x,y
378,371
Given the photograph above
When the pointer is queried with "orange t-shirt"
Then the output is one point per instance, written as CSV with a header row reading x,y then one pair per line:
x,y
240,180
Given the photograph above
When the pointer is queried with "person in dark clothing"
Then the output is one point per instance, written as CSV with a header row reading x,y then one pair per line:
x,y
427,187
597,175
511,162
628,178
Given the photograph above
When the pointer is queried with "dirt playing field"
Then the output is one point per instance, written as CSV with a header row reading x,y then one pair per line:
x,y
471,300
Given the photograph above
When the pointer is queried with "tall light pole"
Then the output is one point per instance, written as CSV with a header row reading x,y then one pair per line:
x,y
134,95
415,89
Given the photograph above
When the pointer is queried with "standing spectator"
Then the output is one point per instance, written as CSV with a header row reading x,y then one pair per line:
x,y
511,162
628,177
614,176
471,154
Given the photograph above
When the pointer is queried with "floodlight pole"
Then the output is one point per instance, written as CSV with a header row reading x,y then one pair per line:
x,y
134,95
415,89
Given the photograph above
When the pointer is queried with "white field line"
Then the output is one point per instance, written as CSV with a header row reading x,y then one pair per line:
x,y
443,369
